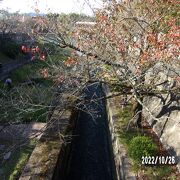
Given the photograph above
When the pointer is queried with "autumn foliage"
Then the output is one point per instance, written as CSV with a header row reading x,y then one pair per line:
x,y
134,34
129,37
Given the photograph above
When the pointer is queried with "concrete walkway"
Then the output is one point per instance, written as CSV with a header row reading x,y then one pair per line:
x,y
21,131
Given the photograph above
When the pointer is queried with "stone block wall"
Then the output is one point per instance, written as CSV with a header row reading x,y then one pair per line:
x,y
164,108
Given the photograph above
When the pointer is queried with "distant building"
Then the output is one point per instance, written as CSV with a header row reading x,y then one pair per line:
x,y
86,24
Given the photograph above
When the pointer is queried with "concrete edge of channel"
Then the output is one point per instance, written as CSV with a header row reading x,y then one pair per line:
x,y
122,162
43,160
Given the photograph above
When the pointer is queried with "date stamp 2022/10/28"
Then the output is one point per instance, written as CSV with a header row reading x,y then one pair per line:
x,y
159,160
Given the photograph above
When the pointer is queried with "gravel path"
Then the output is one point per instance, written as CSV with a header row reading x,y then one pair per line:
x,y
90,157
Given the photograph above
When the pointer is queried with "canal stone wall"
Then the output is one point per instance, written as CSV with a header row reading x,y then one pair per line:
x,y
122,162
164,107
89,149
43,160
51,158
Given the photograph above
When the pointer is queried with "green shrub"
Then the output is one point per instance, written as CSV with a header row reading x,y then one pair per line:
x,y
141,146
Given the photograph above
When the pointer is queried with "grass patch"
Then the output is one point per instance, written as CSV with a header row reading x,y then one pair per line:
x,y
27,72
4,59
38,115
25,104
156,172
31,94
124,116
12,168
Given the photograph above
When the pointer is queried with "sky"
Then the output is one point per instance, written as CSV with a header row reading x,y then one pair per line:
x,y
55,6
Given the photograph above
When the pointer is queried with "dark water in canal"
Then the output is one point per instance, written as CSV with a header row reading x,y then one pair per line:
x,y
91,155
